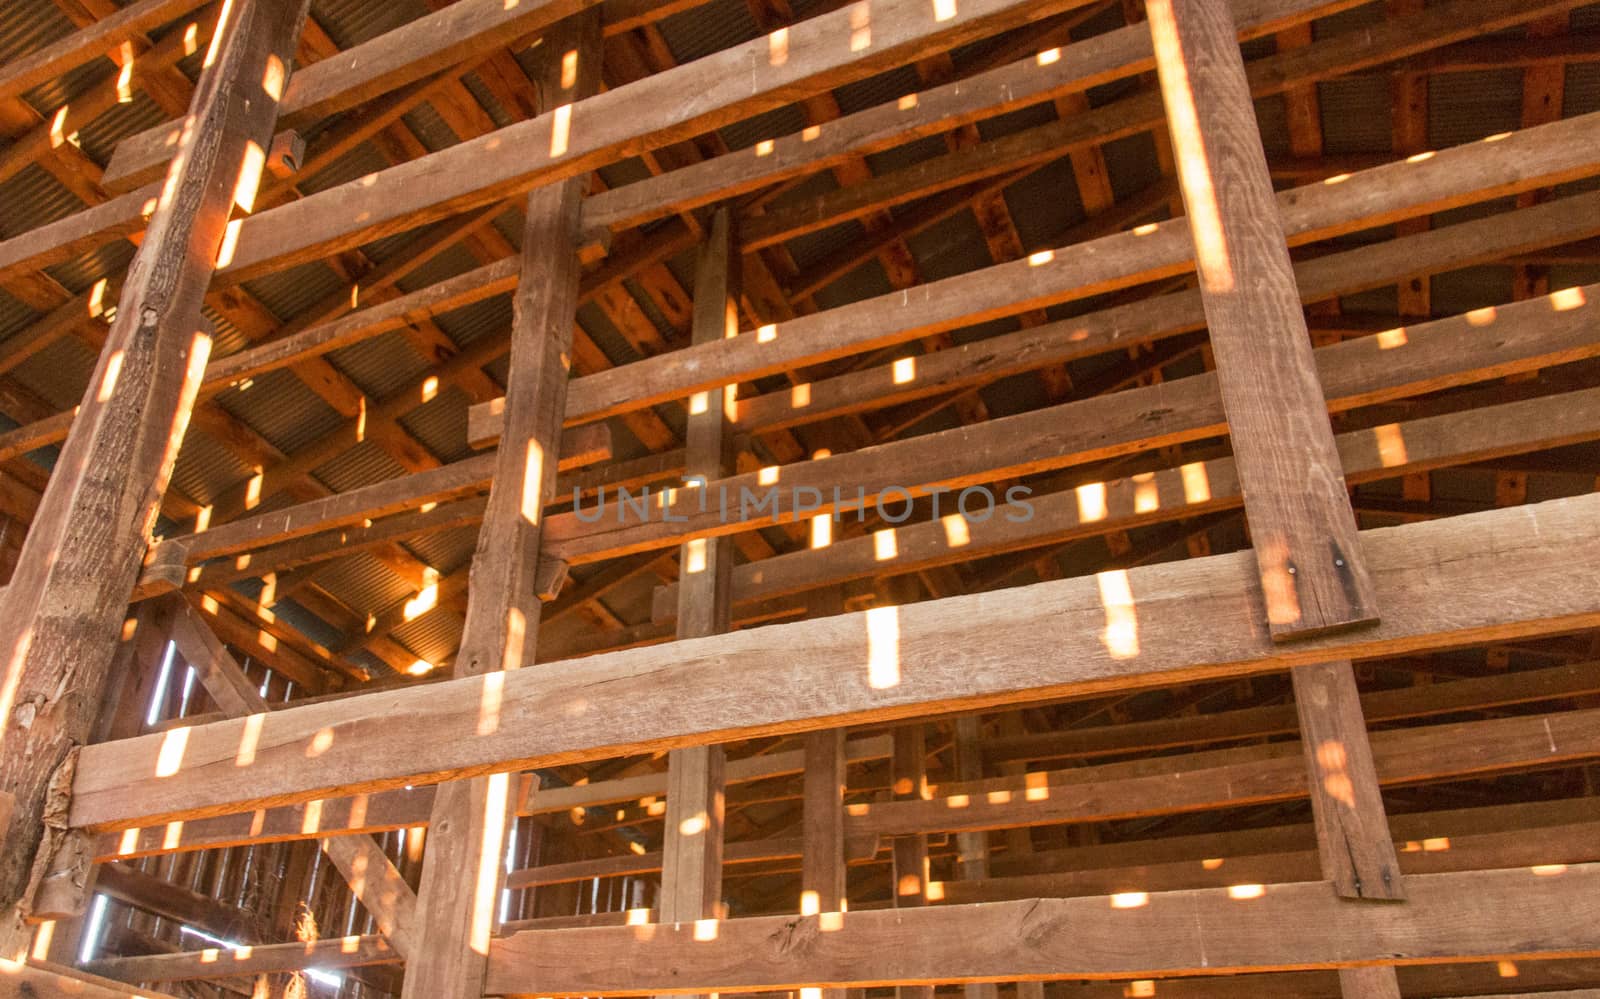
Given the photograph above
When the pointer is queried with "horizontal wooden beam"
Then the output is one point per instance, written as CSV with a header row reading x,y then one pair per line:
x,y
1229,777
727,86
397,809
44,980
1449,178
1573,843
1093,509
331,953
437,43
1473,694
1506,573
1353,373
1481,915
94,42
392,496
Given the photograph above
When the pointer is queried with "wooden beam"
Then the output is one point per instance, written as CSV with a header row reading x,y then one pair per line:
x,y
908,780
83,47
972,848
421,54
1139,323
1030,148
64,608
329,953
1352,827
1460,840
822,843
176,902
1092,429
1449,586
1482,915
391,496
1160,497
731,85
219,673
43,980
398,809
1226,777
1301,525
467,829
380,888
691,871
1478,693
1451,177
738,852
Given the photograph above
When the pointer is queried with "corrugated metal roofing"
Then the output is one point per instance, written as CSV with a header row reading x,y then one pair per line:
x,y
1465,107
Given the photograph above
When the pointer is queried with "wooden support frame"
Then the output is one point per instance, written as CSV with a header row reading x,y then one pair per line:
x,y
908,777
1447,586
1302,528
89,533
1460,400
1301,525
691,870
1487,915
467,830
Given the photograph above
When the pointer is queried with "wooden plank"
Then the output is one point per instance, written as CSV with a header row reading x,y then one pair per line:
x,y
1482,915
1369,983
219,673
1301,525
1302,528
822,843
1544,846
432,46
455,914
1352,827
1196,619
397,809
692,852
972,848
379,887
908,778
730,85
329,954
43,980
1160,497
173,901
1226,778
64,607
741,852
1524,687
990,161
1073,433
94,42
1369,198
390,496
1141,322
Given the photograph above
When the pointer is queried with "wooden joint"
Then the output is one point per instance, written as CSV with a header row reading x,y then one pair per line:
x,y
287,153
550,577
166,570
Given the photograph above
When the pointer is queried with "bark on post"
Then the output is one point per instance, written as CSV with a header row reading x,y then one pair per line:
x,y
64,609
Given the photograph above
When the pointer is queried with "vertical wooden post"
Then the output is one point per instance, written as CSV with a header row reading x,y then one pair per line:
x,y
972,848
462,868
65,606
908,776
822,851
691,867
1313,576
